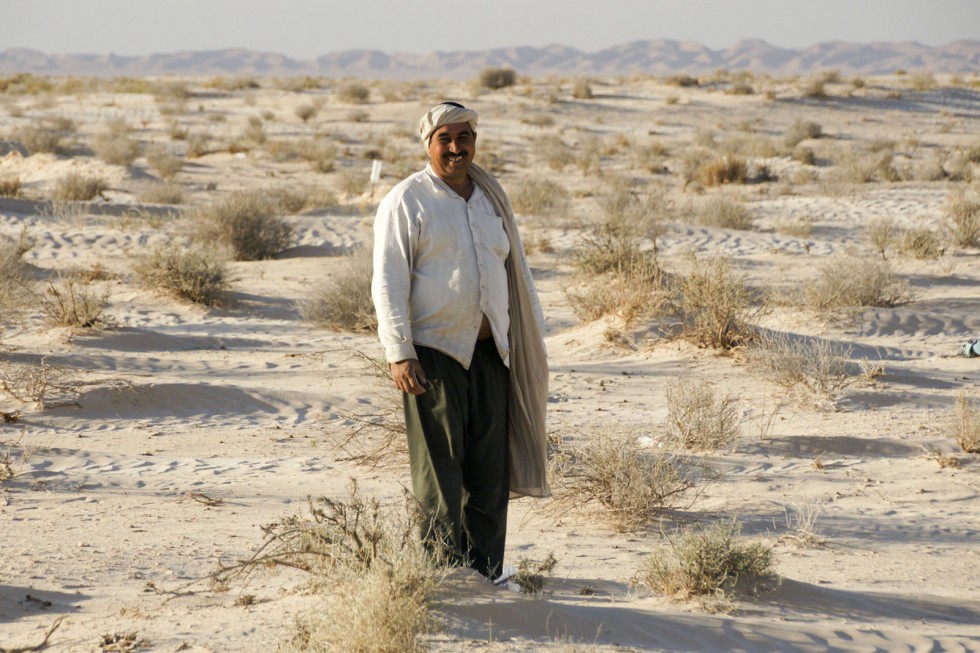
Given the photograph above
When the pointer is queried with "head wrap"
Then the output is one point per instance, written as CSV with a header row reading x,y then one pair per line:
x,y
445,113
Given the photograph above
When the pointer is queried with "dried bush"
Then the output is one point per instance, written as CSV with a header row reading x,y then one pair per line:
x,y
494,78
699,418
115,145
724,213
713,562
42,384
343,300
582,90
716,305
920,243
196,274
10,186
77,187
820,366
163,161
555,153
14,277
161,193
964,425
848,281
353,93
246,222
863,168
378,576
800,131
625,243
306,111
41,139
725,169
539,196
795,226
964,218
611,468
71,303
883,233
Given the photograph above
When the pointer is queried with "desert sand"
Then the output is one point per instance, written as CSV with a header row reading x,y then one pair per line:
x,y
174,431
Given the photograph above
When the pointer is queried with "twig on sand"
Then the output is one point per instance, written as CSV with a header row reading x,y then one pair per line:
x,y
36,647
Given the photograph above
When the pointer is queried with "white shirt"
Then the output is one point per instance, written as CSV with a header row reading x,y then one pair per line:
x,y
438,269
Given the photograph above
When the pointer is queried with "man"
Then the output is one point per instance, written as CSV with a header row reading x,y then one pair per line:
x,y
462,329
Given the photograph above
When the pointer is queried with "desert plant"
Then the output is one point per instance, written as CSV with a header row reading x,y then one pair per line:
x,y
818,365
698,417
582,90
801,522
716,305
247,222
920,243
531,575
495,78
41,139
711,562
854,281
883,233
629,481
800,131
625,243
964,218
964,425
353,93
70,303
163,161
539,196
9,186
115,145
723,212
161,193
75,187
13,274
795,226
196,274
343,300
554,151
306,111
724,169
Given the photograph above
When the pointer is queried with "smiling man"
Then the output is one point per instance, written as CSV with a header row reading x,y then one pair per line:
x,y
462,330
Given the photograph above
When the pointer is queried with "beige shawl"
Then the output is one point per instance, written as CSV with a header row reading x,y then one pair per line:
x,y
528,438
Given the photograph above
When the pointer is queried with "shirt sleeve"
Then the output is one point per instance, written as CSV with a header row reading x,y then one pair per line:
x,y
395,237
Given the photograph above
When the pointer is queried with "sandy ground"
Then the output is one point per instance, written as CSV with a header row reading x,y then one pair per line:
x,y
177,431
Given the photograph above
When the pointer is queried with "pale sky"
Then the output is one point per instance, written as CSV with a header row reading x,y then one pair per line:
x,y
304,29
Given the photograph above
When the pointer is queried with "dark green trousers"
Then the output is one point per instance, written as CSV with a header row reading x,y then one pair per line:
x,y
457,446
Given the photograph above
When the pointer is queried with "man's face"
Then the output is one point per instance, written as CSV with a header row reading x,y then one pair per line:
x,y
451,151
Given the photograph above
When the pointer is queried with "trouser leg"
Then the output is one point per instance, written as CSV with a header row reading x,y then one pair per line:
x,y
457,441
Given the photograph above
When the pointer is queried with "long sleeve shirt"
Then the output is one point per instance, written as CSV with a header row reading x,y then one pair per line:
x,y
438,269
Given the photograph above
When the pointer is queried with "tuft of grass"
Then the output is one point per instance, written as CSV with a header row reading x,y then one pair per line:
x,y
725,169
964,425
161,193
353,93
920,243
343,300
163,161
247,222
713,562
71,303
964,218
554,151
854,281
723,212
882,234
612,469
10,186
582,90
495,78
699,418
819,366
539,196
716,305
42,139
306,111
196,274
77,187
115,145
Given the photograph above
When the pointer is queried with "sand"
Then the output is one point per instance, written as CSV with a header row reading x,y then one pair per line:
x,y
176,431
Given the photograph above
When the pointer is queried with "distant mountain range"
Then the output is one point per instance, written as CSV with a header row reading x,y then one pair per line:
x,y
657,57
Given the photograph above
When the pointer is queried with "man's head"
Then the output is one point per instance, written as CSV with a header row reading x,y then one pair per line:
x,y
448,132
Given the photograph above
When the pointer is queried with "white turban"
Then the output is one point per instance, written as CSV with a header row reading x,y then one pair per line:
x,y
442,115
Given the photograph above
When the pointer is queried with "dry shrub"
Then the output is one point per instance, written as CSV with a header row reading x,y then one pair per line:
x,y
863,168
611,468
343,300
920,243
290,199
10,186
321,154
795,226
196,274
494,78
77,187
883,233
723,212
716,305
71,303
964,425
247,223
725,169
684,81
714,562
163,161
848,281
41,139
699,418
161,193
582,90
800,131
376,574
539,196
819,366
42,384
964,218
554,151
14,277
353,93
306,111
115,146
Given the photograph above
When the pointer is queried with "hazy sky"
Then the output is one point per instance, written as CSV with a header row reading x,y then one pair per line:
x,y
307,28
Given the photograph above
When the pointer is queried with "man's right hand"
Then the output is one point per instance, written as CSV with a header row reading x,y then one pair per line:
x,y
409,376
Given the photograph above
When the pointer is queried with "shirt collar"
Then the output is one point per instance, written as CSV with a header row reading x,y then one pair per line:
x,y
439,184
